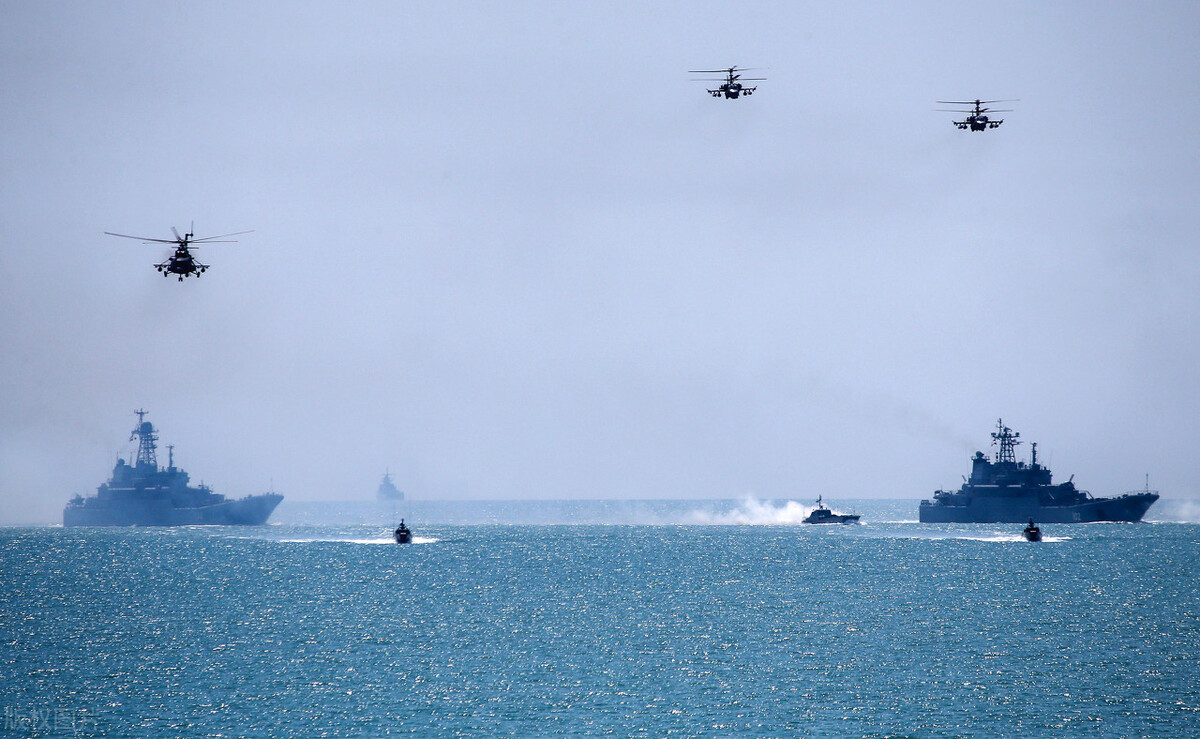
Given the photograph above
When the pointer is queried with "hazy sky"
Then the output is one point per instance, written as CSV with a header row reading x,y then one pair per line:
x,y
510,250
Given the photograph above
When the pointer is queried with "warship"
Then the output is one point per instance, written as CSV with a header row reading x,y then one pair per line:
x,y
388,491
1008,491
144,494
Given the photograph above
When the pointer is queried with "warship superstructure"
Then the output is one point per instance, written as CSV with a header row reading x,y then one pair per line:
x,y
144,494
1008,491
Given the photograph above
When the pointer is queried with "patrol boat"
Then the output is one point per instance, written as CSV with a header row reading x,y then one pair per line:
x,y
821,514
144,494
1008,491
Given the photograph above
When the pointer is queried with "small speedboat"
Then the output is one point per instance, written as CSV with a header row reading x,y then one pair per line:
x,y
403,533
821,514
1032,532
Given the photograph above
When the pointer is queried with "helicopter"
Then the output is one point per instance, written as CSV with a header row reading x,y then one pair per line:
x,y
182,263
731,88
976,120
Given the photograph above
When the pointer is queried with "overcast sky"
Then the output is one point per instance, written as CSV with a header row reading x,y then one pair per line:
x,y
511,250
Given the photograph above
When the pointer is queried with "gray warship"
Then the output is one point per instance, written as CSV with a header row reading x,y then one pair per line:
x,y
144,494
1008,491
388,491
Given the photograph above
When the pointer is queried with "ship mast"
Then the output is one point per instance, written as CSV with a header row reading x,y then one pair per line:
x,y
146,437
1008,443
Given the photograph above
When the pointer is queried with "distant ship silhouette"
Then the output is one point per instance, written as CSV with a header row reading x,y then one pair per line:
x,y
388,491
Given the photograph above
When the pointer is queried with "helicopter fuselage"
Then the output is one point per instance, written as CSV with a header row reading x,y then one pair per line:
x,y
731,91
978,123
181,263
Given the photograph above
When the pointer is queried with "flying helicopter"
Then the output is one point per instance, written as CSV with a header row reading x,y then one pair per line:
x,y
182,263
976,120
731,88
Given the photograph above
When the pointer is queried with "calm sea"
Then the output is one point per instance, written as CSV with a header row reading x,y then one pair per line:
x,y
721,618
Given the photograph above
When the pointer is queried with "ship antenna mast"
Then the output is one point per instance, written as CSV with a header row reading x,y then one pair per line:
x,y
1008,443
146,437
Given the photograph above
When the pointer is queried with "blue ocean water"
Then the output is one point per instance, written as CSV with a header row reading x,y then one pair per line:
x,y
720,618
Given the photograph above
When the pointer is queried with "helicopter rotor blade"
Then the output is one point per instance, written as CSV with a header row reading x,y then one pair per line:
x,y
212,239
143,238
178,238
973,102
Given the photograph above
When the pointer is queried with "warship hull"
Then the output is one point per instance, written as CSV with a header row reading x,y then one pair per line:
x,y
161,511
1017,506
